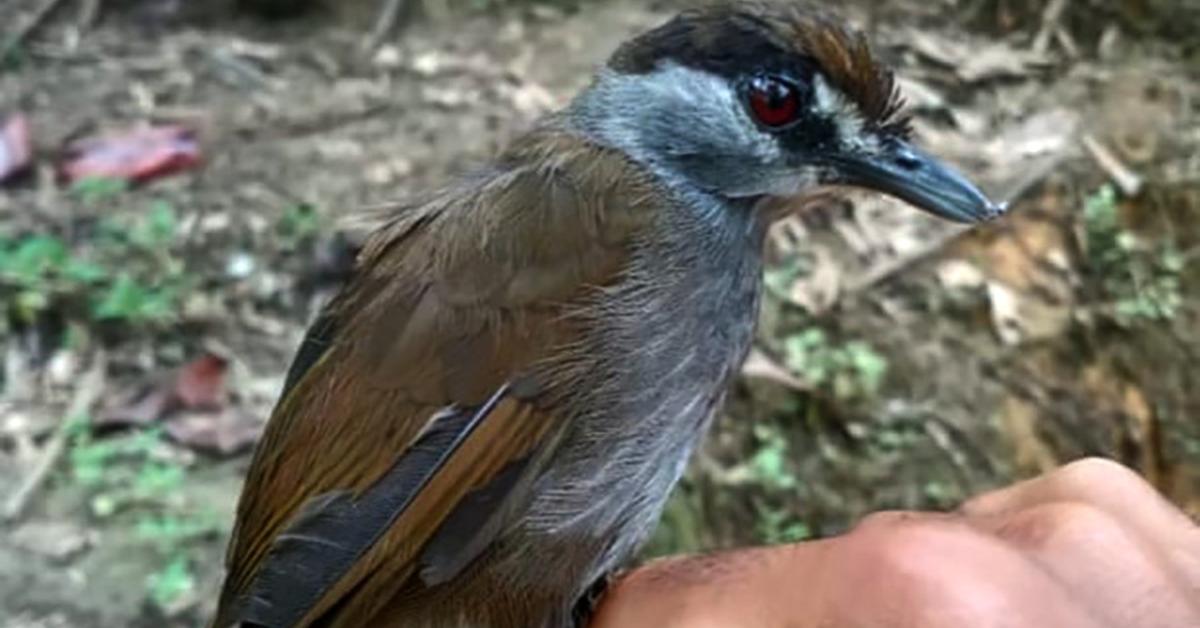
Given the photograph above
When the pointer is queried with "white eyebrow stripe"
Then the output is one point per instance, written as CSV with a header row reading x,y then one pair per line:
x,y
851,126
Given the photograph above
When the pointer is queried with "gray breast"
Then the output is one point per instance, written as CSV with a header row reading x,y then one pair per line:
x,y
665,346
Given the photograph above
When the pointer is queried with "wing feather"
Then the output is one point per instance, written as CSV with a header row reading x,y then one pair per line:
x,y
452,302
334,530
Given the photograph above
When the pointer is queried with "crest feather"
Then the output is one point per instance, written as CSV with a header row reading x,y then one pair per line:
x,y
738,37
846,60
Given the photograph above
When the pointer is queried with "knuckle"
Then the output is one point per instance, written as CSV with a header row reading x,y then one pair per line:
x,y
1067,524
1089,473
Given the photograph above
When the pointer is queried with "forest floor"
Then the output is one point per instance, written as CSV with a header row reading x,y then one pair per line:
x,y
901,362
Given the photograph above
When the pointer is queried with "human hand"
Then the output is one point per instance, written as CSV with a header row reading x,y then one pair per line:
x,y
1089,545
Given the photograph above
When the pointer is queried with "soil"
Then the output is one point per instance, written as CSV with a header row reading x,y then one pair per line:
x,y
1002,359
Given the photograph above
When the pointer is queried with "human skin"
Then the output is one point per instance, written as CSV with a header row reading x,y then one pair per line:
x,y
1089,545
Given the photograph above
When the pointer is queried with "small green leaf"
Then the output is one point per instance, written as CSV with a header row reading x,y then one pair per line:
x,y
126,299
157,228
172,582
84,271
156,479
92,190
298,223
35,257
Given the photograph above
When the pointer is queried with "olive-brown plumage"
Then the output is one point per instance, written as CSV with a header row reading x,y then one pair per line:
x,y
488,418
453,298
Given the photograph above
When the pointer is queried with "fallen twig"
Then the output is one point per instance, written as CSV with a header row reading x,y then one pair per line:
x,y
88,14
1050,25
897,264
86,394
1018,190
25,30
1129,181
759,366
385,25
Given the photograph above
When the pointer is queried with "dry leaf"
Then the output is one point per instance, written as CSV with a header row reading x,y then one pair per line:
x,y
1146,432
1018,317
139,406
1020,423
201,383
973,62
998,60
225,432
198,385
759,365
1006,318
957,274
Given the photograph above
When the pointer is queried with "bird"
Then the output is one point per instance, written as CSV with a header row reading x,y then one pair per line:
x,y
483,425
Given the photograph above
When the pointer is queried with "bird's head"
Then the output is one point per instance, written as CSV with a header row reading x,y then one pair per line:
x,y
755,100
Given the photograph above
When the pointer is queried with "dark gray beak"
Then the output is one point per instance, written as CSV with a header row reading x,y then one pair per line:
x,y
908,173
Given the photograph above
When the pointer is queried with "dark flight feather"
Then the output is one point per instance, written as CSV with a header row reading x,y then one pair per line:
x,y
317,340
334,530
464,534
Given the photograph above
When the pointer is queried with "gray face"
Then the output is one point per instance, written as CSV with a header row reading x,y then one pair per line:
x,y
692,126
699,129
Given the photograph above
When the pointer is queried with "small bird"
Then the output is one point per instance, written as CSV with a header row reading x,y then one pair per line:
x,y
485,423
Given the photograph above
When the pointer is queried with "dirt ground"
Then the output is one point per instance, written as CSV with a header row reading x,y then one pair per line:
x,y
901,362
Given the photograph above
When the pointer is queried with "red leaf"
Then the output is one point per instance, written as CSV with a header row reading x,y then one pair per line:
x,y
137,156
200,384
16,148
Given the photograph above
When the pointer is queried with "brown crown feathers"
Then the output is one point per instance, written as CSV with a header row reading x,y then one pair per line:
x,y
728,39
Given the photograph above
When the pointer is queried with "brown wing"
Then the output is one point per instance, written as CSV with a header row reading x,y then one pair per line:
x,y
399,405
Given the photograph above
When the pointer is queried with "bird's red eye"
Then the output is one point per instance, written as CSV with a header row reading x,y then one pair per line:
x,y
773,102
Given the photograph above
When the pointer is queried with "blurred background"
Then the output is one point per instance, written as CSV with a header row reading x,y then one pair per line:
x,y
175,183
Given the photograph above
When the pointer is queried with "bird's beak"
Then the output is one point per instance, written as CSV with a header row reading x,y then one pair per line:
x,y
912,175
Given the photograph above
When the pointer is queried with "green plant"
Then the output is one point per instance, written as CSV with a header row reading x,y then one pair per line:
x,y
775,526
128,474
1143,282
126,273
93,190
769,464
298,224
170,530
778,278
770,468
172,582
850,370
123,470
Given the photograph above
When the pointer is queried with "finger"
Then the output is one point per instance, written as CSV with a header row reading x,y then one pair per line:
x,y
1117,491
1103,483
935,571
1106,564
759,588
